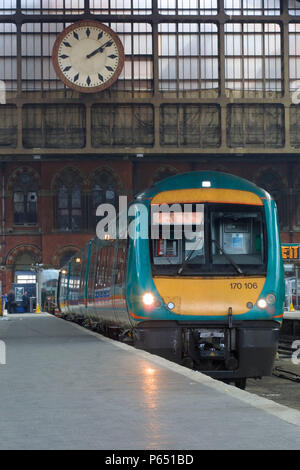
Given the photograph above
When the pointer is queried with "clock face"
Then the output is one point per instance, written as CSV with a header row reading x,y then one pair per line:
x,y
88,56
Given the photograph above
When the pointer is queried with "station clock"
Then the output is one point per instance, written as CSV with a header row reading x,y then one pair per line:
x,y
88,56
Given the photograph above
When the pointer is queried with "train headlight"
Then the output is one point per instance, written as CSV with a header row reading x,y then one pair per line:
x,y
148,299
262,303
271,298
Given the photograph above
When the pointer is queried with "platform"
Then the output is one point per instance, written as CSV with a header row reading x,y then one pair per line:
x,y
64,387
295,315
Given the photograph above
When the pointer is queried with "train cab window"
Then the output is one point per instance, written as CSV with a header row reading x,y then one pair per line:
x,y
166,251
237,237
181,237
224,239
194,247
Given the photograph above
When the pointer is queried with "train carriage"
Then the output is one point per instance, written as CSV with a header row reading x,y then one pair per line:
x,y
199,280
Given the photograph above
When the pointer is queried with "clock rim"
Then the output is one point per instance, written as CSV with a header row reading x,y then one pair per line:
x,y
60,38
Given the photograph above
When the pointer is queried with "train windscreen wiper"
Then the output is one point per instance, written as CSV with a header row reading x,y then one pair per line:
x,y
229,259
188,257
237,268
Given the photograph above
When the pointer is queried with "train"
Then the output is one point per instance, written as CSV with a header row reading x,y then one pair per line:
x,y
47,282
191,271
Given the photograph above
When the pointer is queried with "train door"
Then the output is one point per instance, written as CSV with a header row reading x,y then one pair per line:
x,y
65,289
58,291
104,283
91,283
83,263
119,290
74,285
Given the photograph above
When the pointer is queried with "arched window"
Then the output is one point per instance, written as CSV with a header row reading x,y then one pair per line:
x,y
25,200
69,202
65,258
104,191
23,268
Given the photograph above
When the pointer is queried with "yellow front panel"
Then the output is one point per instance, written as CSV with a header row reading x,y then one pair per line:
x,y
209,296
229,196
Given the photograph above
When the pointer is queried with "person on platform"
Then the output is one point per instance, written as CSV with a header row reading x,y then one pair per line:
x,y
25,302
11,303
4,303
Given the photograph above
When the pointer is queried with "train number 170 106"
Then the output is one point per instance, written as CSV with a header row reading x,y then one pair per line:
x,y
243,285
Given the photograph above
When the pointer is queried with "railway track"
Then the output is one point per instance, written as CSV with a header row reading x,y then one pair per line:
x,y
286,374
285,351
285,347
283,385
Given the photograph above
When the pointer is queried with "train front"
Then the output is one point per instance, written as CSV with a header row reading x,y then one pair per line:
x,y
207,286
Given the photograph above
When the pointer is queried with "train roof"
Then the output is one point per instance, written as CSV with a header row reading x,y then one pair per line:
x,y
49,274
195,179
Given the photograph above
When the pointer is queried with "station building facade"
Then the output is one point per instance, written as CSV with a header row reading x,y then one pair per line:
x,y
205,85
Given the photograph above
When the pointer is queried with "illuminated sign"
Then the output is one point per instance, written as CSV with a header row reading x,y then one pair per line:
x,y
178,218
290,251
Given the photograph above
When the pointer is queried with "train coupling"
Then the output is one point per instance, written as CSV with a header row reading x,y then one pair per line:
x,y
217,344
211,344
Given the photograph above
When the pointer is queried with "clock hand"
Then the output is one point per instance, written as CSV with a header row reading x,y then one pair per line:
x,y
99,49
94,52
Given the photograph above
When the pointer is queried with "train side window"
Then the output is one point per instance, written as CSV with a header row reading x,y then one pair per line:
x,y
103,267
98,270
74,281
121,263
